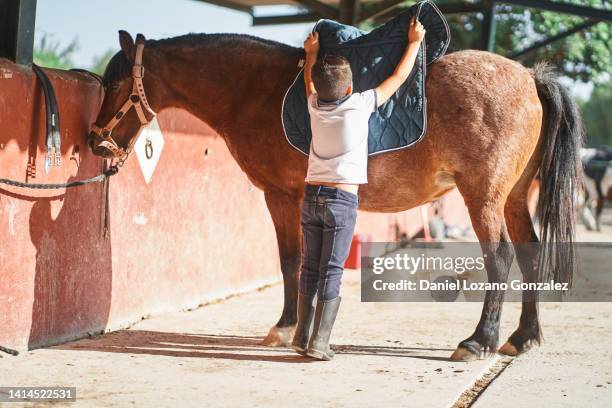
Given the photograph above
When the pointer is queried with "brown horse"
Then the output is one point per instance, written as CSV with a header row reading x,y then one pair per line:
x,y
492,126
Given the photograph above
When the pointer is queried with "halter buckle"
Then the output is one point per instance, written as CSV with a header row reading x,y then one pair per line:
x,y
138,71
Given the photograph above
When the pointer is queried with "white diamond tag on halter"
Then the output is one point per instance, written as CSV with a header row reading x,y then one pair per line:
x,y
148,149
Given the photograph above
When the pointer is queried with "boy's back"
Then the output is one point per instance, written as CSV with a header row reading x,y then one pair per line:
x,y
339,146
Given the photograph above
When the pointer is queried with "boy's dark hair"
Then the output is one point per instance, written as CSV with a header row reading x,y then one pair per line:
x,y
331,76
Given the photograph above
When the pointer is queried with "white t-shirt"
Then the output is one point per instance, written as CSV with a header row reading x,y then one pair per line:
x,y
339,147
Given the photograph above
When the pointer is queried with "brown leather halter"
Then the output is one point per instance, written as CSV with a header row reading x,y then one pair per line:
x,y
137,100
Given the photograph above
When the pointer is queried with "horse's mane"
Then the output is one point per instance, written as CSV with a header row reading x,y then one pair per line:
x,y
118,67
224,39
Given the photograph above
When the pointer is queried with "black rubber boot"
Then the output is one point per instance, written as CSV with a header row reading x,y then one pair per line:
x,y
302,331
325,316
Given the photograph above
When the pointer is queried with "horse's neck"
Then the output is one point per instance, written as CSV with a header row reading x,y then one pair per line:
x,y
226,86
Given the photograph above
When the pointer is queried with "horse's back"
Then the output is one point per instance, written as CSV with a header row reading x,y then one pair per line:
x,y
477,67
473,75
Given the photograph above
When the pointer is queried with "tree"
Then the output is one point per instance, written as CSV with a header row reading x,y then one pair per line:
x,y
101,61
596,115
584,56
49,54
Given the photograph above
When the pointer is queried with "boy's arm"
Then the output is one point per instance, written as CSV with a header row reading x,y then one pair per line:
x,y
311,45
416,33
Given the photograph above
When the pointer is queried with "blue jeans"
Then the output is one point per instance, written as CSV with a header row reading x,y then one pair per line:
x,y
328,222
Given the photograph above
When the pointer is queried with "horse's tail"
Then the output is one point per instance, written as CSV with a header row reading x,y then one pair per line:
x,y
560,175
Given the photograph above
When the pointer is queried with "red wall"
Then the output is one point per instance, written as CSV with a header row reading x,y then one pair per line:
x,y
199,230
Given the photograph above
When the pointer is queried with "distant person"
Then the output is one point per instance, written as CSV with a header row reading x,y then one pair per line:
x,y
337,165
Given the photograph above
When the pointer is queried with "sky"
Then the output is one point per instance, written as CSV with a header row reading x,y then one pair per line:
x,y
95,22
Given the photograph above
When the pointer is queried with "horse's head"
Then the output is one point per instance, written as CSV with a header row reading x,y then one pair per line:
x,y
125,110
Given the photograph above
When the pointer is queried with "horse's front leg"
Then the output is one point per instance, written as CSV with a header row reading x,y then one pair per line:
x,y
285,212
489,225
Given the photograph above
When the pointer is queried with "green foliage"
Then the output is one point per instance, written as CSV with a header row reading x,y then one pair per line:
x,y
101,61
48,53
596,114
584,56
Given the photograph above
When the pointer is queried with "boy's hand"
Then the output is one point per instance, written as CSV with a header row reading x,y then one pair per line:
x,y
311,44
416,33
389,86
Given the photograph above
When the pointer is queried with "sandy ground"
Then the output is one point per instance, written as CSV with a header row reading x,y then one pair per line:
x,y
389,354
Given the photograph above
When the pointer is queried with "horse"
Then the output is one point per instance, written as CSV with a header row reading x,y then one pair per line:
x,y
492,126
597,183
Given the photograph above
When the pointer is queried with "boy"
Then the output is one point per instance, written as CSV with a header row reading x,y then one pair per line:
x,y
337,164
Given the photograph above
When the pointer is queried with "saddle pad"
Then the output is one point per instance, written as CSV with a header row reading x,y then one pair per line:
x,y
401,121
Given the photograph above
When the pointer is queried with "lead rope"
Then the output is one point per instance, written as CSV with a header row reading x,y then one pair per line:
x,y
111,171
106,228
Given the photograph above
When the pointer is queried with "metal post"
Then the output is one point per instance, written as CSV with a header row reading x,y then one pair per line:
x,y
17,20
549,40
316,6
349,12
374,10
595,13
488,25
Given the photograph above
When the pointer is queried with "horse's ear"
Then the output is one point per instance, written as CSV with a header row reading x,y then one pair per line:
x,y
127,45
140,39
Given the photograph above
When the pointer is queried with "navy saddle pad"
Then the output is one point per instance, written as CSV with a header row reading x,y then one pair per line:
x,y
401,121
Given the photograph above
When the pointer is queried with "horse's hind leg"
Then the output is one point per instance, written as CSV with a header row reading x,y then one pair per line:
x,y
599,210
526,247
487,217
285,212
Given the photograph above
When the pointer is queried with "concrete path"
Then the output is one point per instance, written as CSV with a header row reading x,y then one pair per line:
x,y
392,354
389,355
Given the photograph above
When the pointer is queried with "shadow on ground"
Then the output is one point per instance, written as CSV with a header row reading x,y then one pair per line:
x,y
224,347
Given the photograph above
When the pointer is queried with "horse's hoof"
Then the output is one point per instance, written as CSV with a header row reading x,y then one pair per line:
x,y
511,350
463,354
508,349
279,336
